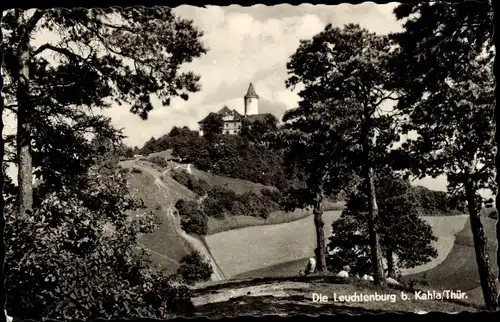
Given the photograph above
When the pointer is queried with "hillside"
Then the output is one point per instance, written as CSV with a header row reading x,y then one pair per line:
x,y
236,244
293,295
159,191
459,269
165,245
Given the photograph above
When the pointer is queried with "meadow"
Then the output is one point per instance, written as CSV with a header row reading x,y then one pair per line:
x,y
286,238
459,269
245,249
165,246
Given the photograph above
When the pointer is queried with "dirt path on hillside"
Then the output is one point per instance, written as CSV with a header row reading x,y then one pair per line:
x,y
197,244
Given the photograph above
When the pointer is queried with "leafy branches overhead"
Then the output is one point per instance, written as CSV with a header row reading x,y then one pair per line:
x,y
447,89
443,70
344,74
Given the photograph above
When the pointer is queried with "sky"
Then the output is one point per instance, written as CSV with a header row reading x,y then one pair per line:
x,y
248,44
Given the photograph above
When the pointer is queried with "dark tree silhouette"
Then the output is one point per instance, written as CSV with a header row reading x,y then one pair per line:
x,y
444,73
101,54
212,126
344,75
403,233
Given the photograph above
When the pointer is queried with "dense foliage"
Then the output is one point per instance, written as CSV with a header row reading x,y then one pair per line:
x,y
198,186
233,156
193,218
218,202
443,70
403,233
159,161
438,203
75,256
194,269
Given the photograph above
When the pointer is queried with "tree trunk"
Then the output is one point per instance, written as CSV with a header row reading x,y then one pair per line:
x,y
320,251
389,256
2,177
25,173
376,255
486,276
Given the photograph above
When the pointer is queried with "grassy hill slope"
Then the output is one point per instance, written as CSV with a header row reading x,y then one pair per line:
x,y
444,228
164,245
459,269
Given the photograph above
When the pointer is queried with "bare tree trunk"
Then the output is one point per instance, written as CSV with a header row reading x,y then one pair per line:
x,y
373,218
390,263
2,177
25,173
376,254
486,276
320,237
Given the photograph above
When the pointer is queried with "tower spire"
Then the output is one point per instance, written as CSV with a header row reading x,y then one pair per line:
x,y
251,92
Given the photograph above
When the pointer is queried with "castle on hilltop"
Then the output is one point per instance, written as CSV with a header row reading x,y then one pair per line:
x,y
233,120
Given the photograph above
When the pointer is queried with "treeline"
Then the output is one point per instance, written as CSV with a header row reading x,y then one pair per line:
x,y
246,156
218,202
438,203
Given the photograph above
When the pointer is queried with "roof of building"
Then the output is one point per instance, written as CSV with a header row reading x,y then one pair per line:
x,y
238,117
257,117
251,92
225,111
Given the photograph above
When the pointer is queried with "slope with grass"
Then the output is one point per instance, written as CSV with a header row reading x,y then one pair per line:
x,y
165,246
245,249
301,243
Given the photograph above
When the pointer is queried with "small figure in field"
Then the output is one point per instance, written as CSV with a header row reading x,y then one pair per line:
x,y
391,281
344,272
367,278
310,268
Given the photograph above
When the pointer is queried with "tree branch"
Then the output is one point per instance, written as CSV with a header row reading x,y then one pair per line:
x,y
389,96
61,51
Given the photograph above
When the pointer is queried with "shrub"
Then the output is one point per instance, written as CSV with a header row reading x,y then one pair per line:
x,y
274,195
64,263
199,187
181,176
194,269
162,162
193,219
211,208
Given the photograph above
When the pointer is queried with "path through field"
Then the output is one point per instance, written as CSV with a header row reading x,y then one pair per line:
x,y
217,275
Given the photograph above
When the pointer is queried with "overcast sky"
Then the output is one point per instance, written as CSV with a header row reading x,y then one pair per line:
x,y
248,44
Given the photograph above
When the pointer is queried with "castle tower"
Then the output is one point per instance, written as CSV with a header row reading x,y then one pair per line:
x,y
251,101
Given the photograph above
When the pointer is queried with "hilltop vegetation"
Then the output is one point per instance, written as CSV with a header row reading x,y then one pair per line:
x,y
235,156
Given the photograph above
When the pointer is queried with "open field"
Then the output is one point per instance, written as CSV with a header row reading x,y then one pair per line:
x,y
245,249
285,296
444,228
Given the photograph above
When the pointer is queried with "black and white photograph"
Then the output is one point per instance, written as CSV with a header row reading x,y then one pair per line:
x,y
227,161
